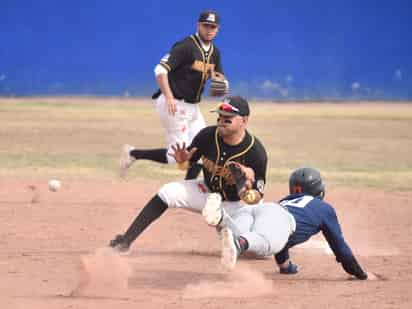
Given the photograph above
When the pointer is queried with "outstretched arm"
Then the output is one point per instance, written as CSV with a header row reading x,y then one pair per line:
x,y
182,155
333,234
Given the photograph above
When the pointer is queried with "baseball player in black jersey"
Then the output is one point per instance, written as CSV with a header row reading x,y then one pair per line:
x,y
181,76
228,143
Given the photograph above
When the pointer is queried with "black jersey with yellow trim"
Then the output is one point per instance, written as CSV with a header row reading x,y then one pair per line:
x,y
216,154
189,66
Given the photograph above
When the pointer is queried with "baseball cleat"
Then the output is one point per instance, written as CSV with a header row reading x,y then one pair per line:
x,y
119,245
230,251
126,160
213,212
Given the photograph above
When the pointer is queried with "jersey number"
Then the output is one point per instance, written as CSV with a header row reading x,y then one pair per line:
x,y
300,202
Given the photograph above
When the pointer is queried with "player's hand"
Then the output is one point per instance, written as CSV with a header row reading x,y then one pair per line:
x,y
290,269
181,154
369,276
372,276
171,106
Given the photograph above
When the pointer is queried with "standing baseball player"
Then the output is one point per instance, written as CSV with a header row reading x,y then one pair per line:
x,y
181,76
274,228
222,148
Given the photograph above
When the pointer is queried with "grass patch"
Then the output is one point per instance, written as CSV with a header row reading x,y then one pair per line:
x,y
361,145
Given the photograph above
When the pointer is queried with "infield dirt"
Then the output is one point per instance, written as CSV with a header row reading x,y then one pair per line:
x,y
53,244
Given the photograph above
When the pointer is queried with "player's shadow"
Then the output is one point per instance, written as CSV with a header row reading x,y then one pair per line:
x,y
70,296
191,252
280,277
175,253
171,279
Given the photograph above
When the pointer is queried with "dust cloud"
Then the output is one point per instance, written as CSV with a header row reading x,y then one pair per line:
x,y
103,273
243,282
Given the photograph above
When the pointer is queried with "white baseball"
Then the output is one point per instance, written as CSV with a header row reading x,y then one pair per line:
x,y
54,185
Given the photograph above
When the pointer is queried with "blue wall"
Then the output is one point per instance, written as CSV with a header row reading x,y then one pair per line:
x,y
317,49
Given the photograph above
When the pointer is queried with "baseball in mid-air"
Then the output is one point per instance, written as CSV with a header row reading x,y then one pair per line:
x,y
54,185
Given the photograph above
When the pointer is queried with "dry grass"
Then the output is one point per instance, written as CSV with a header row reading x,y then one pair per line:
x,y
352,144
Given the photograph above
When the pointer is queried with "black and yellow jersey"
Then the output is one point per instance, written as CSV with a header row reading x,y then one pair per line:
x,y
216,154
189,66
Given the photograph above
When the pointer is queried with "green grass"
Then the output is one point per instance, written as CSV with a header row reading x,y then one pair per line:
x,y
361,145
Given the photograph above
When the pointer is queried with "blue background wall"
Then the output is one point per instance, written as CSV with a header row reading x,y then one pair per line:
x,y
336,49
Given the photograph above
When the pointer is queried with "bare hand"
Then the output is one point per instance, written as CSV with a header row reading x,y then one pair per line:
x,y
171,106
372,276
181,154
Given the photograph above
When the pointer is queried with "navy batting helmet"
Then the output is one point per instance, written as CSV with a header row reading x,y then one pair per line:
x,y
307,180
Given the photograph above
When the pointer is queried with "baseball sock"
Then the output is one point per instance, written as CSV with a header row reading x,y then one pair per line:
x,y
243,244
157,155
193,171
153,210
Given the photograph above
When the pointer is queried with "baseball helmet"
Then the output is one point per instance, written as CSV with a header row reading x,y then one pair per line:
x,y
307,180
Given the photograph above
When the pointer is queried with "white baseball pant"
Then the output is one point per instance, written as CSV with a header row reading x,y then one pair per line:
x,y
265,226
181,127
192,194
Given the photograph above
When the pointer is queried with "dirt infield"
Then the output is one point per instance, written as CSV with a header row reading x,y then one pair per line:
x,y
175,264
53,250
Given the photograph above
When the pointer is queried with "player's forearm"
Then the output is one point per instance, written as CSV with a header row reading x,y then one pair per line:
x,y
345,256
352,267
163,82
282,257
343,252
284,264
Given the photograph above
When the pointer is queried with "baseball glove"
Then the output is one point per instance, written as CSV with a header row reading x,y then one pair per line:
x,y
239,176
219,86
243,184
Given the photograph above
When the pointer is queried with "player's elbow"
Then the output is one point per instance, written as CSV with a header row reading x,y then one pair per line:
x,y
159,70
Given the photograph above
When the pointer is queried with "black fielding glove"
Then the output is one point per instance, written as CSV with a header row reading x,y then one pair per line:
x,y
239,176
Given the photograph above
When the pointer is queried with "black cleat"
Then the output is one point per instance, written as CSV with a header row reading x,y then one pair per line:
x,y
119,244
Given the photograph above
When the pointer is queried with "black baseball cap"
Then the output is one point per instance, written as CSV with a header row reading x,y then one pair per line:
x,y
209,17
233,106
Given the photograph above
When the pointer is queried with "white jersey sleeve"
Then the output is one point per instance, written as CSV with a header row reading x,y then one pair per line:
x,y
159,69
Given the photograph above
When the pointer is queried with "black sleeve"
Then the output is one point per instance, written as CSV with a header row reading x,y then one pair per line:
x,y
201,140
282,256
258,162
351,266
179,55
333,234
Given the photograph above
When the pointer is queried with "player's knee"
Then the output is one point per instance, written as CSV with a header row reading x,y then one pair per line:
x,y
170,193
